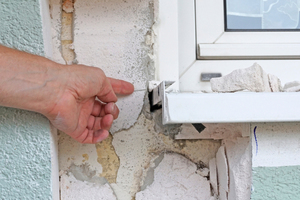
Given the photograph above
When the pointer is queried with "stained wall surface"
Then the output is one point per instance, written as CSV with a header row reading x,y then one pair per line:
x,y
25,159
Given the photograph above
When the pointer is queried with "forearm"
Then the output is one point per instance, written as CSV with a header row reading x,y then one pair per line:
x,y
27,81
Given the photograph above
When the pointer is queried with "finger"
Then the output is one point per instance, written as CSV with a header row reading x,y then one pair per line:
x,y
97,108
91,122
100,135
112,108
106,93
86,136
104,122
121,87
107,121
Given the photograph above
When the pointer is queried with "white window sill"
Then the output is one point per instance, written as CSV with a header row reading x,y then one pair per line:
x,y
177,62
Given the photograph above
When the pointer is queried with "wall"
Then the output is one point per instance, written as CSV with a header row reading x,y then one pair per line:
x,y
27,142
118,37
142,159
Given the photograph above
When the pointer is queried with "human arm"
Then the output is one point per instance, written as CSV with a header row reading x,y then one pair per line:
x,y
64,94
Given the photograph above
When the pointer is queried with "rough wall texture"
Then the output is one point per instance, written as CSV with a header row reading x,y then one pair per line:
x,y
276,183
25,160
21,26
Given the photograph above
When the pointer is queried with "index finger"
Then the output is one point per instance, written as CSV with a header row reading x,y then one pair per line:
x,y
121,87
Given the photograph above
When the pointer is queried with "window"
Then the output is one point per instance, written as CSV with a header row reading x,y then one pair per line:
x,y
192,40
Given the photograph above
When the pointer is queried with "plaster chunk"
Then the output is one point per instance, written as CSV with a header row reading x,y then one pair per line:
x,y
275,83
253,79
222,170
213,175
73,189
292,86
239,163
175,178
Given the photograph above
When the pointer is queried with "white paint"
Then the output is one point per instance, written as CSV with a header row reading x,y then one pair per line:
x,y
213,179
214,131
253,79
73,189
175,178
111,35
292,86
278,144
238,152
222,170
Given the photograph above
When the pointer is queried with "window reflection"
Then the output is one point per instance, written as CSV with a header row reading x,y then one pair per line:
x,y
262,14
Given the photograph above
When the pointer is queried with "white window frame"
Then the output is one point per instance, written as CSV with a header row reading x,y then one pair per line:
x,y
214,42
177,44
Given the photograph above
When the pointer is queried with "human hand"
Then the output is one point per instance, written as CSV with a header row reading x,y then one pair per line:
x,y
76,110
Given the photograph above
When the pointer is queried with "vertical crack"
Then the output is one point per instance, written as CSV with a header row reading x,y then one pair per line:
x,y
68,53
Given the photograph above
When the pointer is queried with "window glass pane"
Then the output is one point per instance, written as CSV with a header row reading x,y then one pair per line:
x,y
262,14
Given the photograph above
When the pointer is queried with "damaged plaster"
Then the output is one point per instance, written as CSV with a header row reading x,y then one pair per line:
x,y
72,152
138,147
108,159
175,178
72,188
111,35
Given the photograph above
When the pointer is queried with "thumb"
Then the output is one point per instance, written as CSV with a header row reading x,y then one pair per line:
x,y
106,93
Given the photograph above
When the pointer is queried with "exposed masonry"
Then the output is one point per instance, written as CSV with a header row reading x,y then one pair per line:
x,y
132,160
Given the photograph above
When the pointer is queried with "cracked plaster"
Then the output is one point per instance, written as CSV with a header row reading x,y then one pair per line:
x,y
72,152
118,46
71,188
176,178
111,35
138,147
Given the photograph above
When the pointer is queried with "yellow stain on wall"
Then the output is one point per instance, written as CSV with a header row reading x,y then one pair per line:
x,y
85,157
109,160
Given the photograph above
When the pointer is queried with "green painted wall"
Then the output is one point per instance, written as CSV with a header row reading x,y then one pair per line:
x,y
276,183
25,159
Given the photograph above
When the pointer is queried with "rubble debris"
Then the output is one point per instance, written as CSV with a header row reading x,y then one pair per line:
x,y
292,87
253,79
